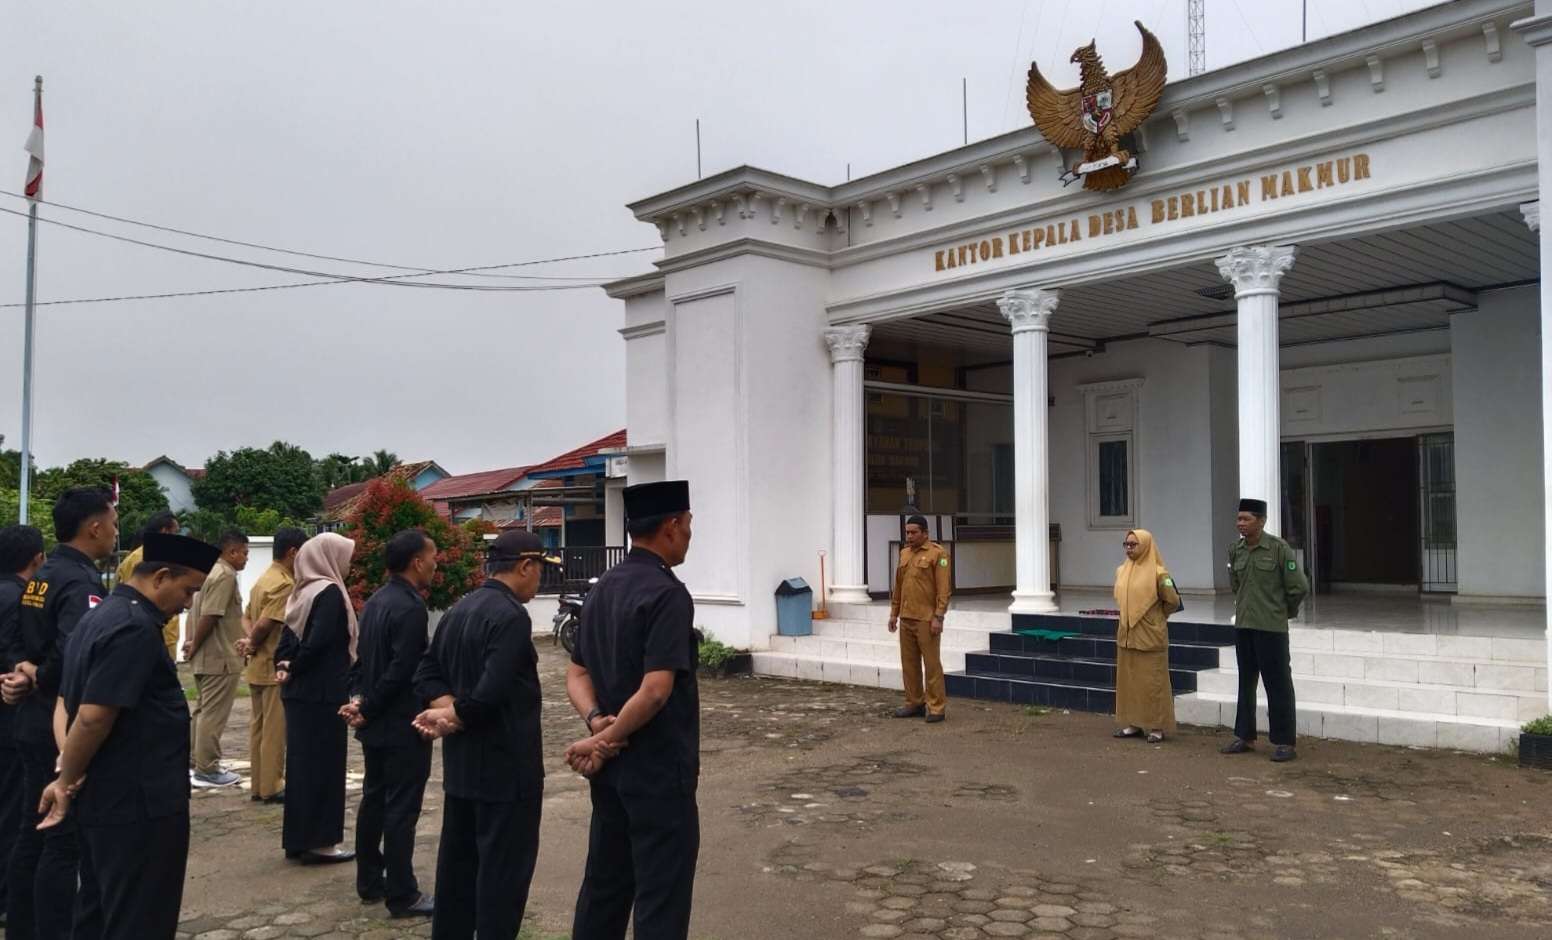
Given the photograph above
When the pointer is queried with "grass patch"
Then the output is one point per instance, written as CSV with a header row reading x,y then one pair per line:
x,y
1219,838
1036,711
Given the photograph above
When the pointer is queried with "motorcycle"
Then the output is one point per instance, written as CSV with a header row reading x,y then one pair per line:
x,y
568,617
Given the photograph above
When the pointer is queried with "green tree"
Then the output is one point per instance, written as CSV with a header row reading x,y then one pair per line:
x,y
262,521
39,517
281,477
337,470
139,493
378,464
205,524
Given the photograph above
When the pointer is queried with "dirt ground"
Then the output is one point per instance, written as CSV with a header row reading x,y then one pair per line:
x,y
824,818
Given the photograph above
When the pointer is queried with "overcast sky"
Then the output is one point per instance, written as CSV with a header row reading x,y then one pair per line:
x,y
453,134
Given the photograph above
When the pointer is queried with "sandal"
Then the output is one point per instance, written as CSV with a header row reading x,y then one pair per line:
x,y
1128,732
1155,737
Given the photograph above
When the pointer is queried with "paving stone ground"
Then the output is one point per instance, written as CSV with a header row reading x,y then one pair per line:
x,y
824,818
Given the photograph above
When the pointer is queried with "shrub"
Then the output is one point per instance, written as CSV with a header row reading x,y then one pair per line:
x,y
714,654
391,505
1542,725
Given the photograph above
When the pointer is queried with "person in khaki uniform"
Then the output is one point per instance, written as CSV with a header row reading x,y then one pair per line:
x,y
212,649
265,619
916,607
167,524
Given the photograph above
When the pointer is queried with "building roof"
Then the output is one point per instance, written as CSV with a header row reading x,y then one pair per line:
x,y
474,484
581,457
545,517
340,496
193,473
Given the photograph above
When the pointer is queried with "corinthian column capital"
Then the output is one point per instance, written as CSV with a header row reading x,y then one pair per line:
x,y
1028,308
1256,269
847,342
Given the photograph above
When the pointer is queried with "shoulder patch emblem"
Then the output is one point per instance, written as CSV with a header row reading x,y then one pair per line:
x,y
1169,582
92,600
1293,565
943,562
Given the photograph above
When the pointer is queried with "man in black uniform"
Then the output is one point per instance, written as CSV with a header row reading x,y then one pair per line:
x,y
632,678
21,554
64,589
382,710
481,678
123,771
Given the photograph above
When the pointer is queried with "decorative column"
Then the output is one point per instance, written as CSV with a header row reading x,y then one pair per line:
x,y
1029,311
1537,32
849,461
1255,273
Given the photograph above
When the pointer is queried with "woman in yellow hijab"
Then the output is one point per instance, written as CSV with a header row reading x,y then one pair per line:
x,y
1145,595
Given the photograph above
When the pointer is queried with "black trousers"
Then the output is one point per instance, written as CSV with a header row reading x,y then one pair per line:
x,y
138,869
10,813
41,901
640,851
1262,654
315,777
485,863
385,822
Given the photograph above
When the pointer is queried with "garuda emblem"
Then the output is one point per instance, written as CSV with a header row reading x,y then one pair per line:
x,y
1095,116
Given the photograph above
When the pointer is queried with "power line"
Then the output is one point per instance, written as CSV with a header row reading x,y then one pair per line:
x,y
394,280
289,251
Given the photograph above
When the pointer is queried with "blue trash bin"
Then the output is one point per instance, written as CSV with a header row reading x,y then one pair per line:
x,y
794,608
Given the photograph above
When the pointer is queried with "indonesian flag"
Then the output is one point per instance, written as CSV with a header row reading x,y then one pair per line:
x,y
34,188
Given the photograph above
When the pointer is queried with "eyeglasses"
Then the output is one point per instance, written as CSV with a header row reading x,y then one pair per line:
x,y
1130,544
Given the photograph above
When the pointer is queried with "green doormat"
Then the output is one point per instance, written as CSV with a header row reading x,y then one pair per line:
x,y
1052,635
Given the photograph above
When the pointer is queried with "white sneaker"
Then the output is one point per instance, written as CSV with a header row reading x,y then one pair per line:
x,y
221,778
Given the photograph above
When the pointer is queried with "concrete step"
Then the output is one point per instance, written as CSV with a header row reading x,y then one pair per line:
x,y
867,652
1357,723
1522,675
847,630
1471,701
1420,646
813,668
957,617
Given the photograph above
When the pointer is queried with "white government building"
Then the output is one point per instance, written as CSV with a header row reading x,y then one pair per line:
x,y
1321,287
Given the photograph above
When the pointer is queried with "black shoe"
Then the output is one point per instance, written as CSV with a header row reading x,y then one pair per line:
x,y
1284,753
274,799
906,711
1237,746
371,898
424,906
934,719
334,857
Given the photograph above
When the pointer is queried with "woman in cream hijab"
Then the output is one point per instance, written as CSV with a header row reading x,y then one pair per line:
x,y
1146,596
312,664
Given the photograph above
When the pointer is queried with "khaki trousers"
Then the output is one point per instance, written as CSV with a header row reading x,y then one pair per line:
x,y
211,711
918,648
267,740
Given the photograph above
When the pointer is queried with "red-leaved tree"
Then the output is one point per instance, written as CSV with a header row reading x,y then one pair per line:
x,y
390,505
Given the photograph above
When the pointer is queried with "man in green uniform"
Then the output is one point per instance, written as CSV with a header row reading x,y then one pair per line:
x,y
1268,588
916,608
212,649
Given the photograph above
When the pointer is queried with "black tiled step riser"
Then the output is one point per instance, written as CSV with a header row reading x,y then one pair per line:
x,y
1093,673
1181,631
1019,692
1199,657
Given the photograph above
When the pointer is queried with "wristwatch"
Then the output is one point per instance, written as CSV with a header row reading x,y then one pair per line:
x,y
590,716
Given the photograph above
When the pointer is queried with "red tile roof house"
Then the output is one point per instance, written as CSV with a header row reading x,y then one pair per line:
x,y
564,496
421,474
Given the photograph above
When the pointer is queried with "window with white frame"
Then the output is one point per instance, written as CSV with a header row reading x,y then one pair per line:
x,y
1110,426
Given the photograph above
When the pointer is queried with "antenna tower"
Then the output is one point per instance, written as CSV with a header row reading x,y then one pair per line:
x,y
1196,28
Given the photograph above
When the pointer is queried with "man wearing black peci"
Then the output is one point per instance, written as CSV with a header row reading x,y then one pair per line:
x,y
123,770
632,679
382,708
481,678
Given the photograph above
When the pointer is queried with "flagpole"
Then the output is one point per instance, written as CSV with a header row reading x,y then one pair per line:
x,y
27,330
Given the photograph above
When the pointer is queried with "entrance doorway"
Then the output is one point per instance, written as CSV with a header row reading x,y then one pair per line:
x,y
1374,514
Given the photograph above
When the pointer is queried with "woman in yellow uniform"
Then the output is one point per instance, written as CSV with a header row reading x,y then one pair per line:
x,y
1146,596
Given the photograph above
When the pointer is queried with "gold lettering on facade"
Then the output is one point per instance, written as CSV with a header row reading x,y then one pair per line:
x,y
1218,197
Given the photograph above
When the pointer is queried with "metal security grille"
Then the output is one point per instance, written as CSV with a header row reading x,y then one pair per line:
x,y
1436,467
